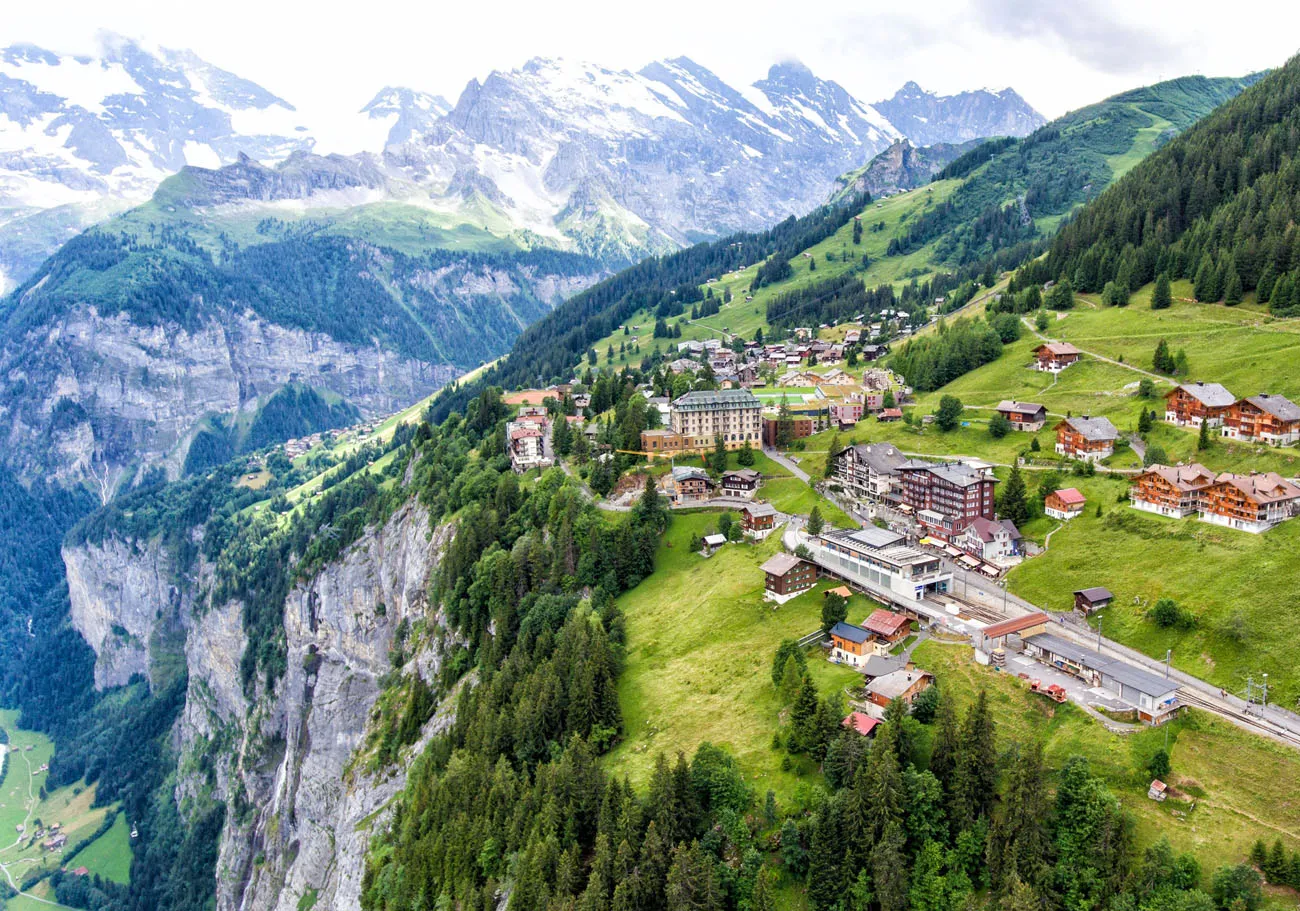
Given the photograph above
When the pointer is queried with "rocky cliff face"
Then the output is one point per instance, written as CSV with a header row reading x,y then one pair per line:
x,y
299,814
91,395
900,167
927,118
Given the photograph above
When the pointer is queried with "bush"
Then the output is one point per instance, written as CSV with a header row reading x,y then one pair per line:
x,y
1237,883
1167,614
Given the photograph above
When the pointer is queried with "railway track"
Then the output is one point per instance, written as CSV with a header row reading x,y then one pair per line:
x,y
971,609
1196,700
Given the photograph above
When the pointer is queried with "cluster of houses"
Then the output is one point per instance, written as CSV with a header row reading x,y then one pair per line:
x,y
1263,418
528,439
952,502
734,369
1252,502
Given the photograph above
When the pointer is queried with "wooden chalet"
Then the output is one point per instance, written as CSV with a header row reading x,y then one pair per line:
x,y
758,519
905,684
1064,504
1171,490
1253,502
787,576
1193,404
860,722
1054,357
1087,439
1024,415
742,483
1271,419
1088,600
691,484
888,627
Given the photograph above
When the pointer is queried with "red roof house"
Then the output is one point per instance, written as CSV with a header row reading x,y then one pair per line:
x,y
863,724
887,625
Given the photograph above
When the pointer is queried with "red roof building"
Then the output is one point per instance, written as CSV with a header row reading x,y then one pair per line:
x,y
888,625
863,724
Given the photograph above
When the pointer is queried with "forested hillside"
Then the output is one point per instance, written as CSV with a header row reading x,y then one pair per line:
x,y
1018,190
1218,206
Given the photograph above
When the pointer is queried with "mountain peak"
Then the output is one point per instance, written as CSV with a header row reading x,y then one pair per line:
x,y
927,117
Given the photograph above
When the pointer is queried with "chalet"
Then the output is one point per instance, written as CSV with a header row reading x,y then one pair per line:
x,y
852,336
1064,504
1155,698
1054,357
712,543
526,443
1253,502
691,484
990,540
758,519
741,483
851,644
1171,490
905,684
787,576
1268,419
867,471
837,377
1088,600
861,723
1194,404
1087,439
889,415
887,627
1024,415
874,352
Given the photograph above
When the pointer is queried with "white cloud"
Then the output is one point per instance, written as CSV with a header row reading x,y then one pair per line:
x,y
329,59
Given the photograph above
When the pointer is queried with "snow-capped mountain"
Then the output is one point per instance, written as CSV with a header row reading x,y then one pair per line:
x,y
927,118
81,137
611,163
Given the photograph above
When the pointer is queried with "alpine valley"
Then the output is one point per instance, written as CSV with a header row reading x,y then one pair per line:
x,y
341,568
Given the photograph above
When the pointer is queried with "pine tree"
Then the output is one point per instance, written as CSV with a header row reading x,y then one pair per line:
x,y
1232,291
745,456
975,777
803,717
1205,287
943,757
1161,297
1203,438
1277,866
815,521
1144,421
835,609
1019,843
827,876
889,869
1014,504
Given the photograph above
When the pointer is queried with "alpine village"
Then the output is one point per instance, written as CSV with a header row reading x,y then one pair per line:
x,y
372,541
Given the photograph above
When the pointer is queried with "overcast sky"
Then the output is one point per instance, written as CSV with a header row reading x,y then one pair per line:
x,y
1059,54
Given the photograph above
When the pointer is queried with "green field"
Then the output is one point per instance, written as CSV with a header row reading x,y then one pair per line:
x,y
1235,777
21,803
699,656
746,317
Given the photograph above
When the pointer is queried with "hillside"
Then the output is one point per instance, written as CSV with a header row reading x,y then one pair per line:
x,y
902,166
1217,206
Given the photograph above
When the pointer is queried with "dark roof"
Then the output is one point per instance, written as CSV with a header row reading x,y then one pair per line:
x,y
1280,407
1020,407
1127,674
955,473
1093,429
1096,594
1212,395
850,632
744,474
706,400
871,536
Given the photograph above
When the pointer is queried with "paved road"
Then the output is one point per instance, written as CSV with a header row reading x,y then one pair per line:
x,y
792,467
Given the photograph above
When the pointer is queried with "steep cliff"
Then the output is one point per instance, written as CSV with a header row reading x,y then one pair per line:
x,y
300,809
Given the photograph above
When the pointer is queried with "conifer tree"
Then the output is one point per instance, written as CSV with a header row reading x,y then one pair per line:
x,y
1162,298
943,757
1014,504
975,776
803,717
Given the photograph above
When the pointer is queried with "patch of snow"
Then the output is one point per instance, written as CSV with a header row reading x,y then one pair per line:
x,y
201,155
82,84
758,98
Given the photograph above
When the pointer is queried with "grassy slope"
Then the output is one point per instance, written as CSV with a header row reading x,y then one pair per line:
x,y
1236,777
745,317
700,646
71,806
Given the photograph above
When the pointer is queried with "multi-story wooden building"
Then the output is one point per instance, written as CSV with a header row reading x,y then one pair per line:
x,y
741,483
1066,503
851,644
1171,490
787,576
946,496
867,471
1087,439
1024,415
1263,418
758,519
691,484
1054,357
1253,502
1192,404
888,627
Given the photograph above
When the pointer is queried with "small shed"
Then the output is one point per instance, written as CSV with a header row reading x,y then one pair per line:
x,y
1158,790
1088,600
713,542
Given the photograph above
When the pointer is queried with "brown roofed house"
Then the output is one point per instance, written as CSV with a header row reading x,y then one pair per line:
x,y
1252,502
1054,357
1171,490
787,576
1086,438
887,626
1193,404
1064,504
1271,419
1024,415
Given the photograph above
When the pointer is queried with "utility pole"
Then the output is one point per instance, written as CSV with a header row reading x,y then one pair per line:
x,y
1099,633
1168,654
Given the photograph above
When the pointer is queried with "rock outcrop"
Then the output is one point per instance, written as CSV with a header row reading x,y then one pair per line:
x,y
299,813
